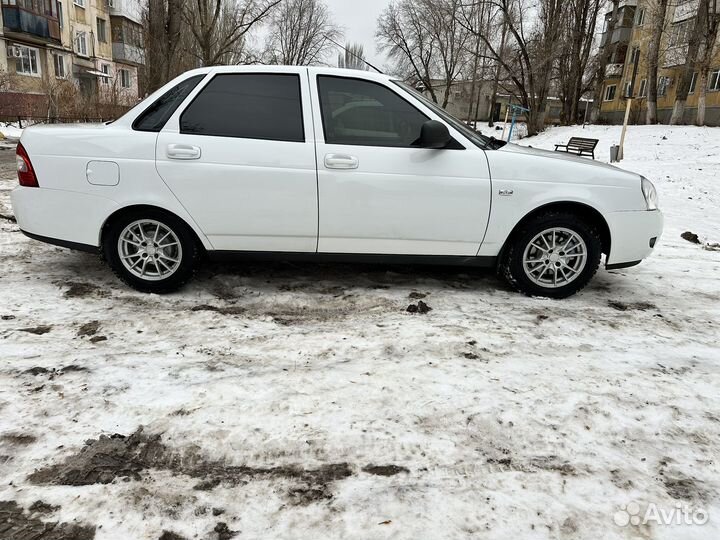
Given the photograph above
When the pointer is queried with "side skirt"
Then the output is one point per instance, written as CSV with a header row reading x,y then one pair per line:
x,y
360,258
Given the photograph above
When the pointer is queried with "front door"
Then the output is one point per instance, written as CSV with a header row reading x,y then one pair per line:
x,y
241,159
378,192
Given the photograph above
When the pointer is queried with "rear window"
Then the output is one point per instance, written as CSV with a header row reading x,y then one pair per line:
x,y
156,116
247,105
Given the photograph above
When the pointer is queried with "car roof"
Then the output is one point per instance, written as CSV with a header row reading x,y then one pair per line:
x,y
259,68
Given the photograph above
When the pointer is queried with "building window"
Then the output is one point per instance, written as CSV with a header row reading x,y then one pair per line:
x,y
663,83
693,82
102,30
610,92
26,60
105,69
81,43
628,89
640,17
124,78
59,62
679,34
643,88
714,80
60,14
80,3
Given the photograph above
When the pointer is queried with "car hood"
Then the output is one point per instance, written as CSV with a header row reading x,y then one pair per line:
x,y
562,156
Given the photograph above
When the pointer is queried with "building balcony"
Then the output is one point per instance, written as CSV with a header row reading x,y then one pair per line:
x,y
21,21
614,71
122,52
130,9
619,35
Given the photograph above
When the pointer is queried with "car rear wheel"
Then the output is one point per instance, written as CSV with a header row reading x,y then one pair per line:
x,y
151,250
554,254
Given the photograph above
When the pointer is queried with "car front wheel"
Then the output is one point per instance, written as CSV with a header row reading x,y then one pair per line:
x,y
150,250
554,254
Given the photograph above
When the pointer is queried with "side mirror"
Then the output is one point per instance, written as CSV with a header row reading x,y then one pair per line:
x,y
434,134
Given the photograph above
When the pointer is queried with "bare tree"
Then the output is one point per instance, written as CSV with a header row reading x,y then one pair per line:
x,y
578,35
301,33
219,27
705,55
653,59
428,39
353,57
166,46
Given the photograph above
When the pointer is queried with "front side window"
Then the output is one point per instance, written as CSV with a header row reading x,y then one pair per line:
x,y
265,106
156,115
364,113
26,61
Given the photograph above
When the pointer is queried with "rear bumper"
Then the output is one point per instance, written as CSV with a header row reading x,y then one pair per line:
x,y
633,237
62,243
57,216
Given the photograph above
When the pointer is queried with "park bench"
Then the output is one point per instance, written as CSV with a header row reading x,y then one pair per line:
x,y
579,146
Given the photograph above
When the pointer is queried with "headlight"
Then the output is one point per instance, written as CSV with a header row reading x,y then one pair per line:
x,y
650,194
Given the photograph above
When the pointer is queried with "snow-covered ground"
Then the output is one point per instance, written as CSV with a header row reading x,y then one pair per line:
x,y
303,401
10,130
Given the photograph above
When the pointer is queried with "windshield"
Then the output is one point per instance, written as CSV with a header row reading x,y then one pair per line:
x,y
477,138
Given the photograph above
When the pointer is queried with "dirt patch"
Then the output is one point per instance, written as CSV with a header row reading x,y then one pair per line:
x,y
634,306
682,487
15,524
43,507
37,330
168,535
690,237
9,218
535,464
52,373
8,317
417,295
107,458
77,289
228,310
88,329
420,308
385,470
18,439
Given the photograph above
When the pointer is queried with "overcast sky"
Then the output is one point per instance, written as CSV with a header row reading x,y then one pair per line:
x,y
359,20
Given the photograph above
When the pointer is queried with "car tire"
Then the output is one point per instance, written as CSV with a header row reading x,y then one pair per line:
x,y
151,250
554,254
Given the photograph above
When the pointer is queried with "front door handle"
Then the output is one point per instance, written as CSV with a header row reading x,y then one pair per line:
x,y
183,151
341,161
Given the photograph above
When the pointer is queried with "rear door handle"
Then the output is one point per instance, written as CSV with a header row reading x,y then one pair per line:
x,y
341,161
183,151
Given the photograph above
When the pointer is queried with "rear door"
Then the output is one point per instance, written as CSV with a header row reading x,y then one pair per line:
x,y
240,157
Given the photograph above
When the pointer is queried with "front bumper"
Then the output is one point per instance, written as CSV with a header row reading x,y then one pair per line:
x,y
633,236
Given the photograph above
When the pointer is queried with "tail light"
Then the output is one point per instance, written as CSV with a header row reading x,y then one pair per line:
x,y
26,173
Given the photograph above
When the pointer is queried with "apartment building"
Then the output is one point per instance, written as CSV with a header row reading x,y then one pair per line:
x,y
52,50
626,73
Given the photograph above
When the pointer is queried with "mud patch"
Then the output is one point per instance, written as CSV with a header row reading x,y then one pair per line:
x,y
88,329
37,330
690,237
15,524
168,535
682,487
77,289
635,306
228,310
17,439
385,470
103,460
420,308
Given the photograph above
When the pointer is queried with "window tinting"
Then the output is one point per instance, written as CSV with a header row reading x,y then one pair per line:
x,y
365,113
249,106
155,116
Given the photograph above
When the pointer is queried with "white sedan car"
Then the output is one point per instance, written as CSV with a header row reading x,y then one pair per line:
x,y
326,165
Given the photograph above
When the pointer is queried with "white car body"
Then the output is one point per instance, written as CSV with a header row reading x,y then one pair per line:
x,y
311,197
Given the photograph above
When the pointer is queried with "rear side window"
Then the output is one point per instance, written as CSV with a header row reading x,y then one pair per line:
x,y
364,113
155,116
248,106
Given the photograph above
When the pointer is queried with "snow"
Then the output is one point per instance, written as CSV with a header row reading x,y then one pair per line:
x,y
514,417
10,131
